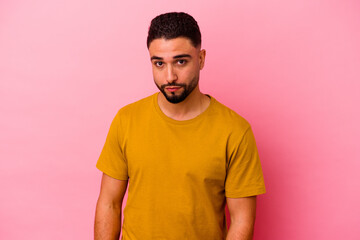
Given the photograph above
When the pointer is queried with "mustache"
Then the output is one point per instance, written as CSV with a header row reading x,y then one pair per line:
x,y
173,85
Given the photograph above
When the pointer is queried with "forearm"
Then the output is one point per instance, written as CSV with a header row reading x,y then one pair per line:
x,y
107,221
238,231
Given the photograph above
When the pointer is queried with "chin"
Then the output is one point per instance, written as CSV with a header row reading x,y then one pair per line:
x,y
174,99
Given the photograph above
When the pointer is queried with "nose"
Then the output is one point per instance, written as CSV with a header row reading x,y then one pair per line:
x,y
171,75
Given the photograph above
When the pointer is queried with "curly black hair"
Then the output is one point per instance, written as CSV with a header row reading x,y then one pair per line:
x,y
172,25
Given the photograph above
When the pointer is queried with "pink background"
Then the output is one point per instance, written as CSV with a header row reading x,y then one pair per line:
x,y
291,68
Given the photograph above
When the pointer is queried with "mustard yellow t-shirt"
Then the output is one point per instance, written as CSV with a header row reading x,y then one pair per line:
x,y
180,172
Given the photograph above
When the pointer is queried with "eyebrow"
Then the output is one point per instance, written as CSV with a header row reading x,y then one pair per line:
x,y
182,56
156,58
175,57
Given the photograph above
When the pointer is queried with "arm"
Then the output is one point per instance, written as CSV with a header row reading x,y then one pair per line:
x,y
108,208
242,214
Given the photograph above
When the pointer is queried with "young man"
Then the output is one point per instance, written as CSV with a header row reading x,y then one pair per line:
x,y
184,154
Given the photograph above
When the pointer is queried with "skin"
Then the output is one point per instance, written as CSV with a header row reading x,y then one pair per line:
x,y
108,208
176,66
168,68
242,214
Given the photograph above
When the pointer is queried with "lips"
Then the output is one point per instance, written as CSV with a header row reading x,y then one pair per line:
x,y
172,89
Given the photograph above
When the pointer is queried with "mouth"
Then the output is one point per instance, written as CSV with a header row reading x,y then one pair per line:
x,y
173,88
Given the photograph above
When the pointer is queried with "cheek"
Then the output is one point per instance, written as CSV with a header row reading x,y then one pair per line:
x,y
155,74
190,72
158,77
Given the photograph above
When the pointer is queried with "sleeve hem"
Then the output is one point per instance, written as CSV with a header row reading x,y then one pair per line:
x,y
111,173
255,192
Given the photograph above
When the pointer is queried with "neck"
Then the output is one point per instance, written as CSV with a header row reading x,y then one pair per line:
x,y
192,106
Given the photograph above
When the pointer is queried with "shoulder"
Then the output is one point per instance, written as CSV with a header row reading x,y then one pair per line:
x,y
136,107
136,110
237,128
229,117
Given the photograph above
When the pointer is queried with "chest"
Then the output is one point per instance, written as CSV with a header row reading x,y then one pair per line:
x,y
177,152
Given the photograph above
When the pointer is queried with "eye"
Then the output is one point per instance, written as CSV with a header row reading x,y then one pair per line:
x,y
158,64
181,61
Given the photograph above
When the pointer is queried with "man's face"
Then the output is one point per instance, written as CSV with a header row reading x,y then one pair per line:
x,y
176,66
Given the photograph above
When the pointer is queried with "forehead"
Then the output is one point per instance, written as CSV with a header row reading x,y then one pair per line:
x,y
162,47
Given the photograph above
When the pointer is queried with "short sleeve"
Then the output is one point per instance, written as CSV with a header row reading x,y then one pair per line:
x,y
244,174
112,161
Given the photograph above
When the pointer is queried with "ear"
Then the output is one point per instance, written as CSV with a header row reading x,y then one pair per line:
x,y
202,56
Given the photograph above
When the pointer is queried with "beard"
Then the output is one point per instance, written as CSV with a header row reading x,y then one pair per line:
x,y
187,89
